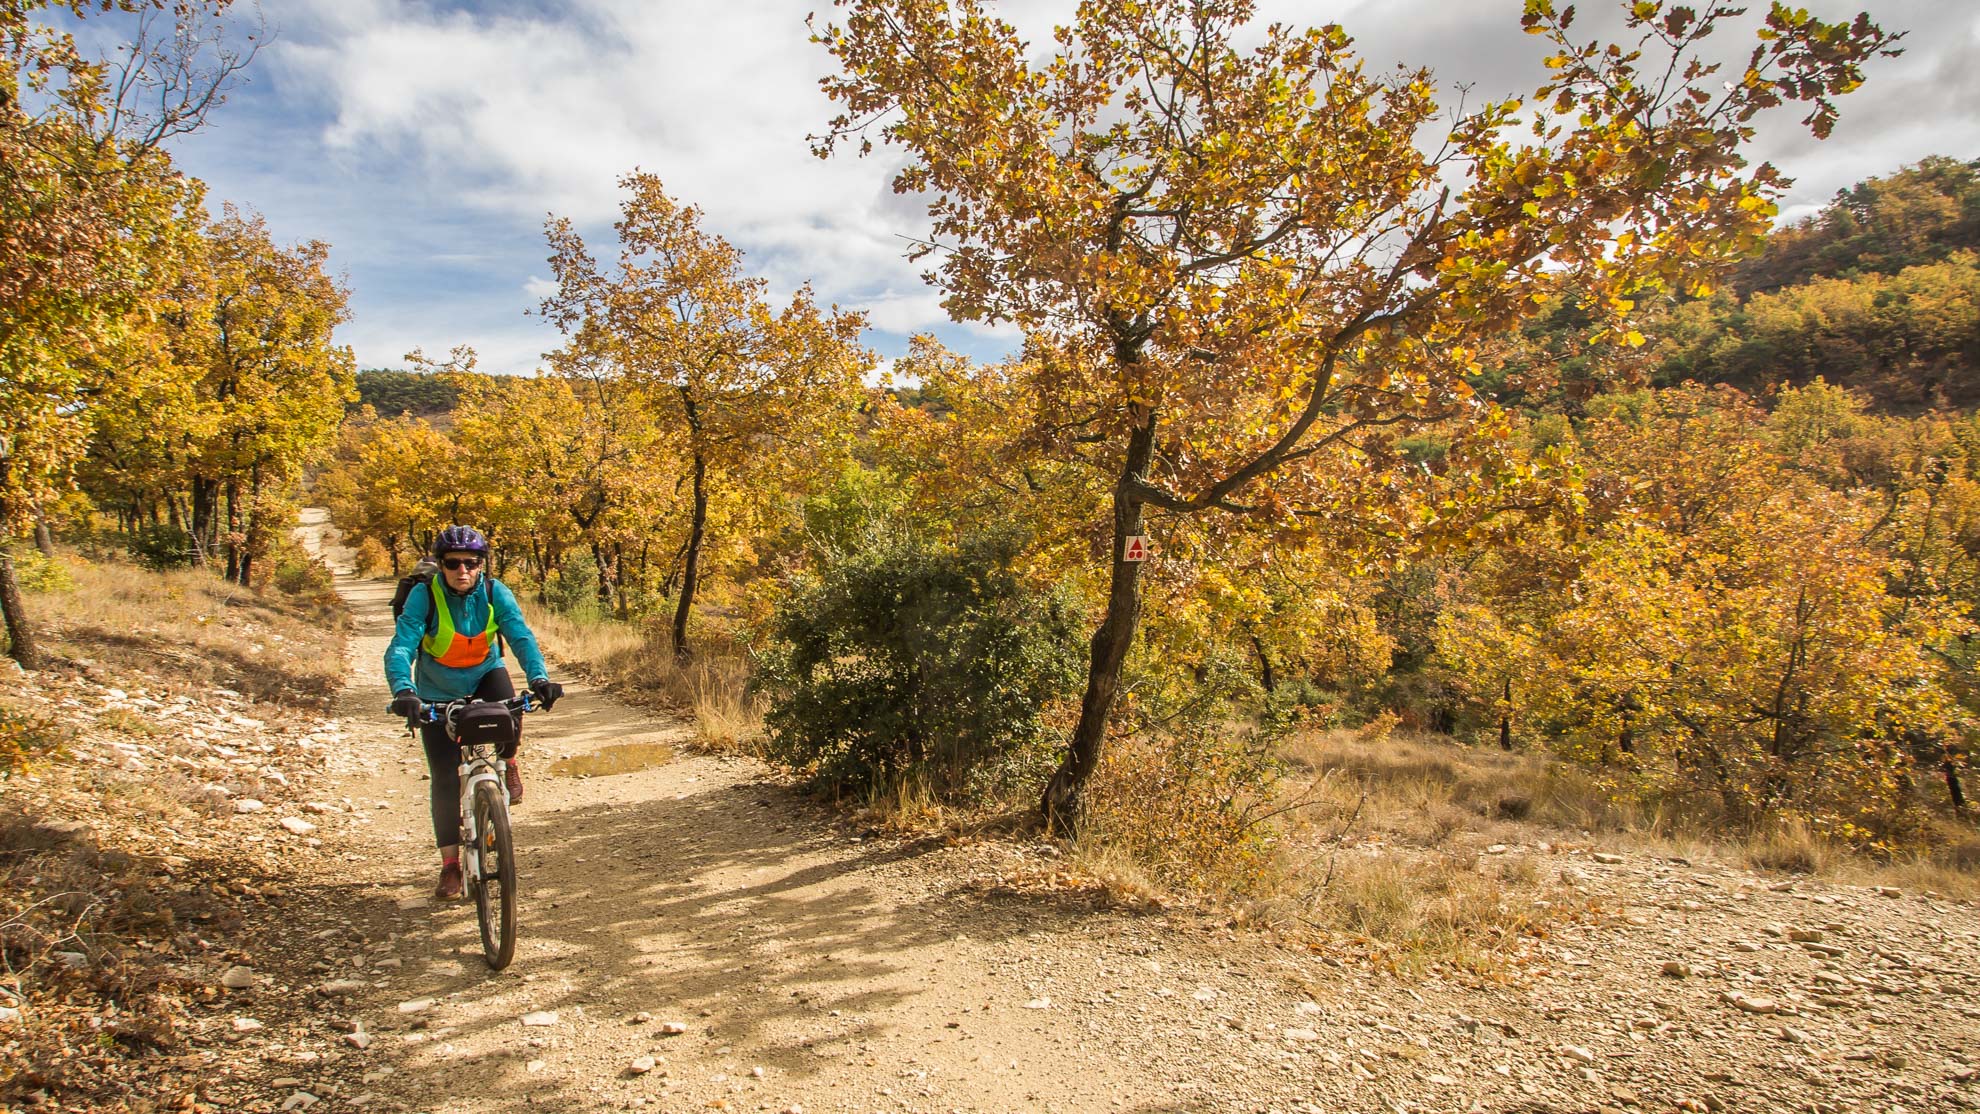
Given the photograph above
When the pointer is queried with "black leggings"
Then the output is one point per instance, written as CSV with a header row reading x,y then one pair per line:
x,y
443,760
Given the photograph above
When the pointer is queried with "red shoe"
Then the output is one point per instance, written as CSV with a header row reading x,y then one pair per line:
x,y
512,778
450,881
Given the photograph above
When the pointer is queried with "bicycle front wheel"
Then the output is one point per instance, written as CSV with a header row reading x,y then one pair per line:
x,y
495,896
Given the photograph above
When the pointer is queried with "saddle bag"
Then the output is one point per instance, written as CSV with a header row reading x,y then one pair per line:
x,y
485,724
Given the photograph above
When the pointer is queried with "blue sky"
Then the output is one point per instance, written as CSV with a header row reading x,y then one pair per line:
x,y
427,141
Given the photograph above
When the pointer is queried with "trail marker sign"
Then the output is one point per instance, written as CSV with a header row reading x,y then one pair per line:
x,y
1137,549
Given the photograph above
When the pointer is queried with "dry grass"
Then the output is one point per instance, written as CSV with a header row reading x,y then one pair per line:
x,y
110,878
1357,845
908,807
1426,789
637,662
1195,810
1416,908
1376,839
1428,793
1126,878
201,629
1949,866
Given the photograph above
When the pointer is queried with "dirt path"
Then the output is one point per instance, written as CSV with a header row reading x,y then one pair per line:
x,y
810,969
807,966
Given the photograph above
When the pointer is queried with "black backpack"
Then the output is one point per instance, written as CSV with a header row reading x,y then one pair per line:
x,y
421,576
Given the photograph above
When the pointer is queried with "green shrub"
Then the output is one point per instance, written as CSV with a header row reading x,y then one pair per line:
x,y
298,574
573,590
45,575
907,661
162,547
850,506
1300,702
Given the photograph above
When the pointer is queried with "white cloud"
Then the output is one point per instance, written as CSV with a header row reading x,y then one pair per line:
x,y
528,115
906,313
539,288
382,341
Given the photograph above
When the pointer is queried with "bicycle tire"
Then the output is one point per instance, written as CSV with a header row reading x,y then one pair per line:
x,y
495,896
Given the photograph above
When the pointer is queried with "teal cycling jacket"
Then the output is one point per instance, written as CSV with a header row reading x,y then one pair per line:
x,y
407,668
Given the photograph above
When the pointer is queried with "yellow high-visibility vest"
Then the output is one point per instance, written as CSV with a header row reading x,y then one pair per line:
x,y
449,646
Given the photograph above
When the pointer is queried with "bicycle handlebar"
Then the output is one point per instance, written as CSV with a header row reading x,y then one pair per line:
x,y
519,704
437,712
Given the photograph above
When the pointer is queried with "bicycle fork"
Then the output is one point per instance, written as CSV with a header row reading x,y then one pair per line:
x,y
473,774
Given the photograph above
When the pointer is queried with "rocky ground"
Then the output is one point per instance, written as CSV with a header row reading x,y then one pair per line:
x,y
696,937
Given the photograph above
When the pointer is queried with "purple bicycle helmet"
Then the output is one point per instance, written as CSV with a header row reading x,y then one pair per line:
x,y
460,539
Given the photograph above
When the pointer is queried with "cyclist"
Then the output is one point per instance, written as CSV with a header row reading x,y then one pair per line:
x,y
432,658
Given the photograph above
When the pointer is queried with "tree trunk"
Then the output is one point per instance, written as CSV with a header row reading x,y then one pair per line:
x,y
44,538
691,566
250,527
20,632
233,530
622,607
605,573
1953,788
1267,679
1505,719
1062,801
205,498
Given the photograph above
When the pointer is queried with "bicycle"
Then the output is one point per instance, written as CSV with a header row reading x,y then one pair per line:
x,y
488,863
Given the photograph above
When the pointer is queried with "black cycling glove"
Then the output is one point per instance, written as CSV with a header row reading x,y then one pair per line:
x,y
547,691
406,704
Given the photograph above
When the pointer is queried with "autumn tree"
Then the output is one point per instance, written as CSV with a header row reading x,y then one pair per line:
x,y
567,461
1925,476
949,452
1723,625
271,377
554,465
1247,263
385,484
90,207
736,380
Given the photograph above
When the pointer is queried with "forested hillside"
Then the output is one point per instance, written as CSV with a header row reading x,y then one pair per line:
x,y
395,394
1879,293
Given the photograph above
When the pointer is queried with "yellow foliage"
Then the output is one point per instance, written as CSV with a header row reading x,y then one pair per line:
x,y
1725,626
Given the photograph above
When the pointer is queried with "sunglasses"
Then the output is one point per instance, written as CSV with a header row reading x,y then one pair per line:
x,y
455,564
